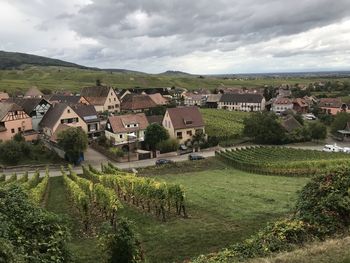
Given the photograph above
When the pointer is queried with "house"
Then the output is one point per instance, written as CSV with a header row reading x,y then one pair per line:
x,y
102,97
242,102
158,119
158,99
67,99
280,105
33,92
300,106
13,120
124,130
35,108
137,103
192,99
212,100
4,96
290,124
183,122
60,113
332,106
89,115
284,92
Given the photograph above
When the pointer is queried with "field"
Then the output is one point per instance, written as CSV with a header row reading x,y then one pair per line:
x,y
282,160
73,79
226,125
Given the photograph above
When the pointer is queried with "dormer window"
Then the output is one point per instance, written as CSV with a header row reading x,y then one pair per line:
x,y
188,122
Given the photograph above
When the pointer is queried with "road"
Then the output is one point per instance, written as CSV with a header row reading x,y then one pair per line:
x,y
95,159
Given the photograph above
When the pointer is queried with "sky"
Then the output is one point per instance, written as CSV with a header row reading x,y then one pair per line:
x,y
201,36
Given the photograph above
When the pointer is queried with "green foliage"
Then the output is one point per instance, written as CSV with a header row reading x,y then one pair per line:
x,y
18,137
118,152
318,131
11,152
169,145
28,233
121,245
264,128
154,134
282,160
12,179
37,193
339,122
74,141
222,124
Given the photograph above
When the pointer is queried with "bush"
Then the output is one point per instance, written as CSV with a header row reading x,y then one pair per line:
x,y
117,151
169,145
11,152
121,245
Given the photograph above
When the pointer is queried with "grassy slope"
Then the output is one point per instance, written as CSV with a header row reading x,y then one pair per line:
x,y
85,249
224,205
335,250
60,78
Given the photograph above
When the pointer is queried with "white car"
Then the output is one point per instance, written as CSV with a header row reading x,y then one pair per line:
x,y
332,148
310,117
346,149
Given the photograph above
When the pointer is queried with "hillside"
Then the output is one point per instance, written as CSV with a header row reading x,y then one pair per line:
x,y
10,60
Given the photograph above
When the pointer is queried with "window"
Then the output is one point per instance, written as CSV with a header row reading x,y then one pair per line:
x,y
189,133
68,111
12,130
19,129
115,99
121,136
179,135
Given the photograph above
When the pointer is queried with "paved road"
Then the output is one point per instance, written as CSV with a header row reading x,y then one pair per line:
x,y
95,159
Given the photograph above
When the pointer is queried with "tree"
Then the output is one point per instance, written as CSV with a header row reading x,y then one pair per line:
x,y
154,134
264,127
318,131
74,142
339,122
198,138
121,245
11,152
98,82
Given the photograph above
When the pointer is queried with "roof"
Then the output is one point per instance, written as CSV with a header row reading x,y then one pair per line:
x,y
290,124
64,99
33,92
86,112
301,102
330,102
214,97
137,102
118,123
283,101
28,104
6,107
53,114
185,117
244,97
158,99
96,95
155,119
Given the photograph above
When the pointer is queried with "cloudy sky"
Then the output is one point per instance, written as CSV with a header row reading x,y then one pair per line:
x,y
201,36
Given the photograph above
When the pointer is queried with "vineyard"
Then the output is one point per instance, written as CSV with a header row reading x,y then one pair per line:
x,y
282,160
225,125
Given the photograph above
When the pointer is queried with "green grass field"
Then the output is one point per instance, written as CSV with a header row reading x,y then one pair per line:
x,y
226,125
224,206
73,79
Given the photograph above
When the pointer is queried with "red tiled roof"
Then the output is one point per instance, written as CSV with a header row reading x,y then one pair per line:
x,y
137,102
118,123
283,101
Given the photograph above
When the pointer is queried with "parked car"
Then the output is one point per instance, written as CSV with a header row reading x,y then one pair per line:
x,y
163,161
194,157
332,148
309,116
183,149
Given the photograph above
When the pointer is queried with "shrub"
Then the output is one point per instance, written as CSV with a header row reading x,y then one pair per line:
x,y
117,151
169,145
11,152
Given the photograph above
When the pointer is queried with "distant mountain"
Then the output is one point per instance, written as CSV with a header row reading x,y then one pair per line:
x,y
175,73
118,70
9,60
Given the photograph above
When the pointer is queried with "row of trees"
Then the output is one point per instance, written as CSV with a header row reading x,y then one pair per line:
x,y
266,128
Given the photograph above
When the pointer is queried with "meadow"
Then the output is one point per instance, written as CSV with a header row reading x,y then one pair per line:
x,y
73,79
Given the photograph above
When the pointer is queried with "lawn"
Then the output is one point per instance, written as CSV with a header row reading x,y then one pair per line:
x,y
224,205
